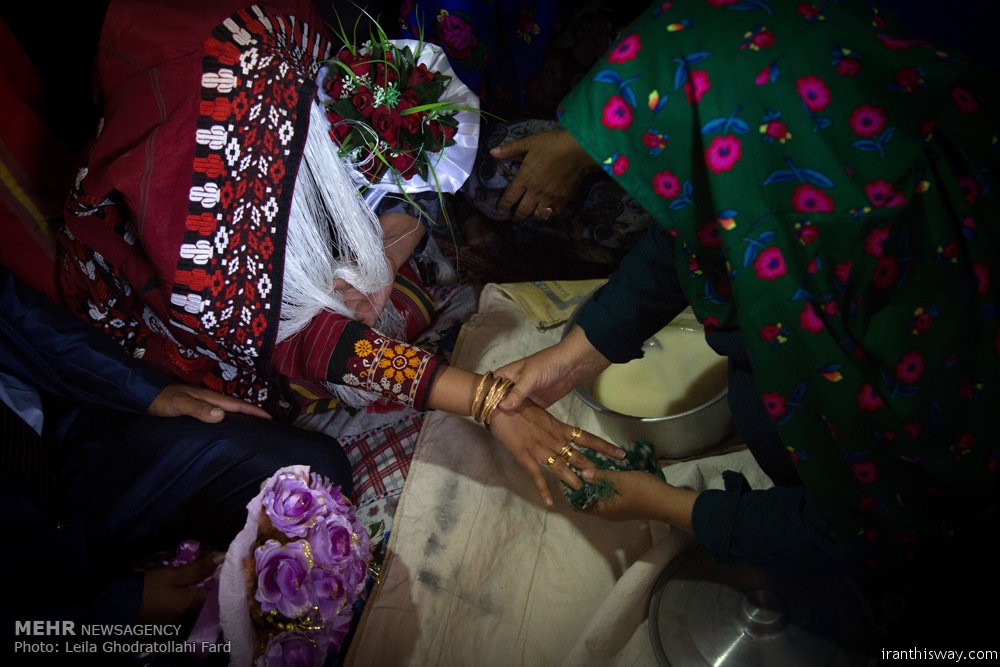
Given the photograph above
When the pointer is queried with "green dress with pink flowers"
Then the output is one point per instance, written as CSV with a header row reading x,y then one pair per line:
x,y
831,190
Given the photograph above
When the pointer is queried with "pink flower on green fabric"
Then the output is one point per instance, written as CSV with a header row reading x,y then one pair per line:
x,y
773,333
619,165
910,368
865,471
665,184
767,75
775,130
617,114
763,39
868,399
948,252
886,272
775,404
970,188
964,100
982,274
809,11
809,320
883,194
723,153
867,121
848,66
910,79
813,91
654,141
770,264
923,318
806,233
708,234
966,441
697,85
625,50
969,389
808,198
875,241
842,271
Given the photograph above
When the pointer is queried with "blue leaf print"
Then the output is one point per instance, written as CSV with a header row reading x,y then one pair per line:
x,y
716,125
629,96
739,126
680,77
780,176
815,178
867,145
798,392
696,58
608,76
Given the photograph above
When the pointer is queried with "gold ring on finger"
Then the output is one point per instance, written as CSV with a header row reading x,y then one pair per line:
x,y
567,451
543,213
549,461
575,433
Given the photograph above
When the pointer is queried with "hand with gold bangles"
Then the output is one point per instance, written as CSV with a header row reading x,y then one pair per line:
x,y
538,441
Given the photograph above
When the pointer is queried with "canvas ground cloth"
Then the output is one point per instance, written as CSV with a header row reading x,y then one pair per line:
x,y
480,572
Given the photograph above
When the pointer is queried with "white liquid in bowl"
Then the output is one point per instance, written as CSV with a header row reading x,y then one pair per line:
x,y
679,374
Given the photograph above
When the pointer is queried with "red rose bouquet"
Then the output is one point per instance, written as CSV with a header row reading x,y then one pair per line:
x,y
399,115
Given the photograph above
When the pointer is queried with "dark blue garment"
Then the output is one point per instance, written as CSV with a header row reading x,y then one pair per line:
x,y
123,485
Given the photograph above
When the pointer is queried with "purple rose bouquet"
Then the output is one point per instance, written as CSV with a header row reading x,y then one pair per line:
x,y
290,579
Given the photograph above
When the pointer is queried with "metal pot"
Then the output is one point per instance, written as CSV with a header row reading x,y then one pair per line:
x,y
738,615
683,435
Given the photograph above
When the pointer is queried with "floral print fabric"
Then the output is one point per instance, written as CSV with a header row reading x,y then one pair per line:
x,y
829,184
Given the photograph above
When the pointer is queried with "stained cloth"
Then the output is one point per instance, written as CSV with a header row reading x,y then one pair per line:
x,y
477,567
828,183
176,233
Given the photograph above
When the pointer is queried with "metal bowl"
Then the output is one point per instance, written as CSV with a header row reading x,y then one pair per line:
x,y
676,436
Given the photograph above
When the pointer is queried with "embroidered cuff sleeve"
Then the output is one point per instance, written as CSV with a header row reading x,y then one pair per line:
x,y
339,350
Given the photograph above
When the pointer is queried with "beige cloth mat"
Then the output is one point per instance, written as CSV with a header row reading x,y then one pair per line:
x,y
481,573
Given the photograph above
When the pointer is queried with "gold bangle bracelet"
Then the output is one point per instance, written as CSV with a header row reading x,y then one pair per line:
x,y
497,395
479,390
484,407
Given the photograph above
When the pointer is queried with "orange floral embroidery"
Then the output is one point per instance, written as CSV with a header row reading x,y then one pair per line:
x,y
399,363
363,348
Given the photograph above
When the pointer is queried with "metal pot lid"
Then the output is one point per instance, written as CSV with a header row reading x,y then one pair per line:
x,y
734,615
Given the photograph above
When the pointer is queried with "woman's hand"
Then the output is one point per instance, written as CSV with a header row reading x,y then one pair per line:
x,y
642,495
538,441
553,164
178,400
549,374
400,235
541,443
